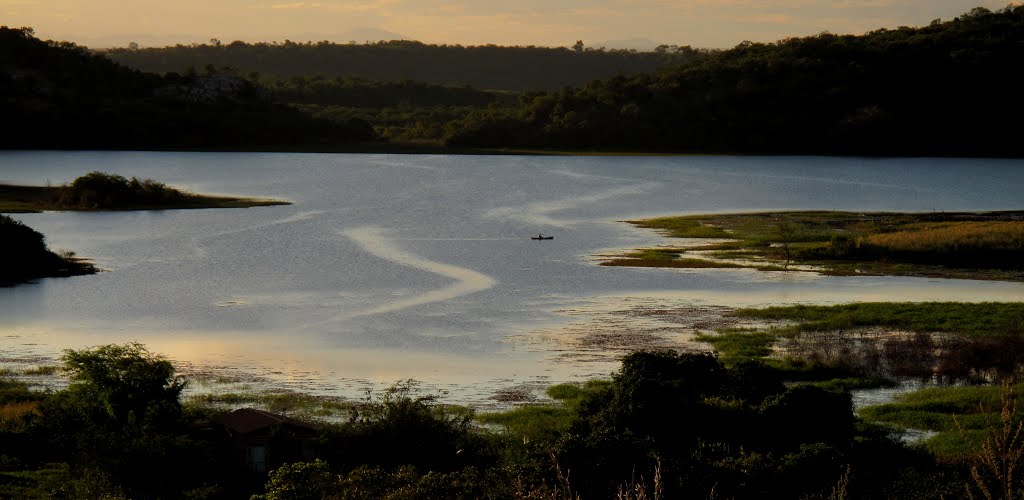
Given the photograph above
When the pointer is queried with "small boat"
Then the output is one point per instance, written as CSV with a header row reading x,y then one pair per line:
x,y
542,237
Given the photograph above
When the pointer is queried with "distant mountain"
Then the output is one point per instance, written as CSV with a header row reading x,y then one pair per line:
x,y
487,67
143,39
358,35
638,44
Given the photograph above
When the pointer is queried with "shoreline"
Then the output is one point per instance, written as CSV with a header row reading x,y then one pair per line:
x,y
428,149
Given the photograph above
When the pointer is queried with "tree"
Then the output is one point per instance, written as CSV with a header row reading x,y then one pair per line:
x,y
126,382
302,480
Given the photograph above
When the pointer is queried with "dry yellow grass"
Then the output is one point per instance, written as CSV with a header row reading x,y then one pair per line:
x,y
16,411
945,237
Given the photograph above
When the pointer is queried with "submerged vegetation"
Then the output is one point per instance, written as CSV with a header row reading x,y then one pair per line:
x,y
103,191
953,342
977,320
985,245
948,344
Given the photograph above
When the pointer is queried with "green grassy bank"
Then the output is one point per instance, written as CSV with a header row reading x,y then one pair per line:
x,y
983,245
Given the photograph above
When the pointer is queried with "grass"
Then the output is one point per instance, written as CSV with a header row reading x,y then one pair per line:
x,y
684,227
953,237
846,347
12,412
737,345
38,483
848,384
42,370
545,422
278,402
952,245
971,319
949,341
976,410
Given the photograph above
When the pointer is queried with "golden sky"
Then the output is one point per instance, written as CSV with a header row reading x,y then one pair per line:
x,y
701,23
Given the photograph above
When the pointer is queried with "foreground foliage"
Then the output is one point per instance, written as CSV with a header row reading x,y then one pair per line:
x,y
667,425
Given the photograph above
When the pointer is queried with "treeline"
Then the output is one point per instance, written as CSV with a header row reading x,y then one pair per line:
x,y
667,426
484,67
358,92
400,111
59,95
945,89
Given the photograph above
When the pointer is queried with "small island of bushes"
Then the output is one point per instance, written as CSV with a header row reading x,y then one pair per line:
x,y
24,256
104,191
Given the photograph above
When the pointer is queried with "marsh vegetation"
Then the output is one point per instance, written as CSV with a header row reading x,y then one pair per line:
x,y
985,245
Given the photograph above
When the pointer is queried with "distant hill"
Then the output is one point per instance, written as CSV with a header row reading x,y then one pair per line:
x,y
123,40
950,88
638,44
59,95
487,67
360,35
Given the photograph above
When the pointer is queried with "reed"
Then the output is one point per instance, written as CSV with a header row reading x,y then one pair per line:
x,y
952,237
954,245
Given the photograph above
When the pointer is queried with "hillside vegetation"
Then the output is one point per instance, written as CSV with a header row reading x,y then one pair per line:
x,y
59,95
944,89
484,67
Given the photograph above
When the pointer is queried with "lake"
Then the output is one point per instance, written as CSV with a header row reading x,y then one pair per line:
x,y
389,267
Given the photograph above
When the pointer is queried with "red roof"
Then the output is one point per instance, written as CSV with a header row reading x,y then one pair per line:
x,y
246,420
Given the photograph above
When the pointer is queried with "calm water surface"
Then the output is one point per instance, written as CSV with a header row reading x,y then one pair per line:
x,y
402,266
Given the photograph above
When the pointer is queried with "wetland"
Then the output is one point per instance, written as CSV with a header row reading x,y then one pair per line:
x,y
401,303
391,267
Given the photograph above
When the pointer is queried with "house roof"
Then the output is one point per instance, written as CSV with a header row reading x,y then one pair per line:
x,y
246,420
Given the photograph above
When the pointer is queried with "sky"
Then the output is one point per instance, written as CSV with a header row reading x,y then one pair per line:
x,y
699,23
